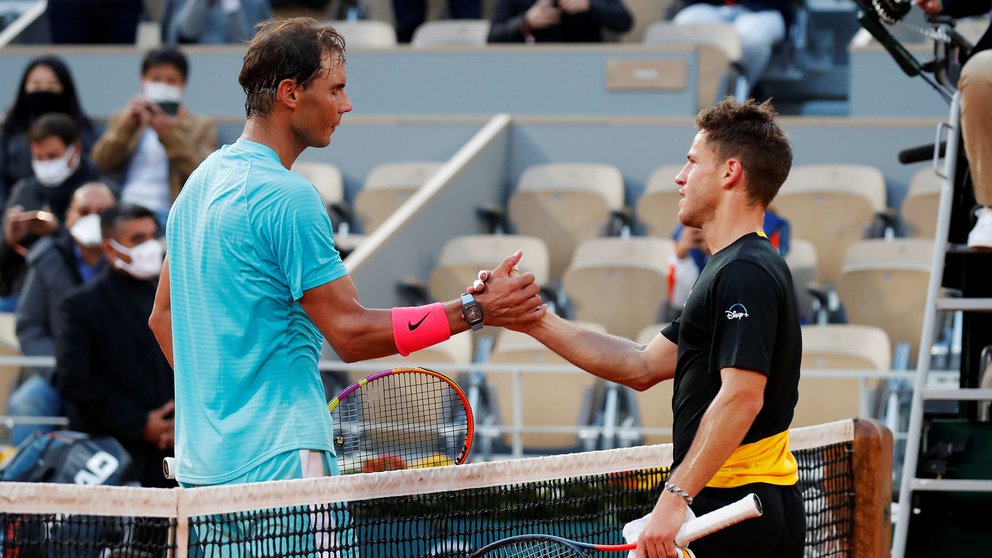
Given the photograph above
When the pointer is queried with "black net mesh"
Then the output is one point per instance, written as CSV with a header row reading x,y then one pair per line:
x,y
443,523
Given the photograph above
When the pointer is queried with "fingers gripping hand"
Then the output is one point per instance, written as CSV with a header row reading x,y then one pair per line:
x,y
508,297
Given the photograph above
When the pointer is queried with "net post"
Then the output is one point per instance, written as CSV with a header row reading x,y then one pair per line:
x,y
873,495
182,524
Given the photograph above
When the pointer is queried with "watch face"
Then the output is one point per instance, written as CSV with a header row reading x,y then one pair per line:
x,y
473,313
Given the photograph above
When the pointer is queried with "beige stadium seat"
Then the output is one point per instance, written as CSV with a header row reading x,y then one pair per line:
x,y
719,51
883,283
919,209
831,206
564,204
453,32
547,398
839,347
462,257
801,260
9,346
365,33
457,350
654,405
621,283
658,206
387,187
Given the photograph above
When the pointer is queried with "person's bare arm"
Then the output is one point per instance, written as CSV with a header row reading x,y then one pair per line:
x,y
160,320
610,357
359,333
721,431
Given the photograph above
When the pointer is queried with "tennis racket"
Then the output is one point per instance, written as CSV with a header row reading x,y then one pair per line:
x,y
401,418
549,546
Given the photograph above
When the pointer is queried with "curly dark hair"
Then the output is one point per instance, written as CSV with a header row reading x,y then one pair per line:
x,y
748,132
285,49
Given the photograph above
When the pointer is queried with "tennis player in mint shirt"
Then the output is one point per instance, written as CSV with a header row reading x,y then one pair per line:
x,y
253,283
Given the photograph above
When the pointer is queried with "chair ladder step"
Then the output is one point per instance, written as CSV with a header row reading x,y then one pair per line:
x,y
965,394
965,304
951,485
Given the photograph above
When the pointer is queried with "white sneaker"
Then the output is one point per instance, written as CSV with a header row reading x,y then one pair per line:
x,y
981,235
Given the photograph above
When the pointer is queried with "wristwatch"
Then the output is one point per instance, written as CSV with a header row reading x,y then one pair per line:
x,y
472,311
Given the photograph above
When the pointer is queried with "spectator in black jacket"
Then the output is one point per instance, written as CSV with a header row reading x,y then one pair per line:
x,y
46,86
761,24
557,21
38,204
110,371
975,85
56,265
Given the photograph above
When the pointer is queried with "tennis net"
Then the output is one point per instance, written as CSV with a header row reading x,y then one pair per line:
x,y
440,512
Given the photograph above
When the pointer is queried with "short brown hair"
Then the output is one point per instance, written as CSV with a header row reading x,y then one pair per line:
x,y
747,131
285,49
53,124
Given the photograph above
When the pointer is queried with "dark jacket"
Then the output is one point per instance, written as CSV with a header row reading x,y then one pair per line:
x,y
30,195
965,8
508,16
53,271
110,369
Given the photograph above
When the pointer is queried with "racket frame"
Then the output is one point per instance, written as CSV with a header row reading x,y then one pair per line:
x,y
371,378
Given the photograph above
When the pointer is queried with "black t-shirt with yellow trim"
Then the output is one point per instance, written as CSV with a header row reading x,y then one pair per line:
x,y
741,313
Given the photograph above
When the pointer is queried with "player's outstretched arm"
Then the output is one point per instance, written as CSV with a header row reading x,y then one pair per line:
x,y
359,333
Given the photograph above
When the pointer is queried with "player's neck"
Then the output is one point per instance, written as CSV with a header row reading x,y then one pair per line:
x,y
729,225
277,136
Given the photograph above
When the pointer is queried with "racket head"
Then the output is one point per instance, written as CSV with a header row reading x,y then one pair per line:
x,y
401,418
531,546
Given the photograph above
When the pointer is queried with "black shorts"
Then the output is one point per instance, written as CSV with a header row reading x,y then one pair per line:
x,y
779,532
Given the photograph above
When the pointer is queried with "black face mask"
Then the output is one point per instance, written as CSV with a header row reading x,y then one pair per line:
x,y
43,102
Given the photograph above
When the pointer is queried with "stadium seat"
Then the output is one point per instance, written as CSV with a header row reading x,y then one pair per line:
x,y
387,187
801,260
832,206
883,283
365,33
839,347
9,346
451,32
568,405
457,350
654,405
658,206
621,283
719,51
564,204
462,257
919,208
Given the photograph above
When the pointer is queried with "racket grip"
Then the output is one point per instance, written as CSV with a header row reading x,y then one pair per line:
x,y
169,468
745,508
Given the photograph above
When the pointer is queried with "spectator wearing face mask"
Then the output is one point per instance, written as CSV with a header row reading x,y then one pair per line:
x,y
110,372
45,87
37,206
153,145
56,265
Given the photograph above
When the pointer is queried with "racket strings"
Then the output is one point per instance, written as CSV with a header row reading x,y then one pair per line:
x,y
401,420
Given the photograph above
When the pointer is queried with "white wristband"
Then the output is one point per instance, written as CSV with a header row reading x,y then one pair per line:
x,y
230,5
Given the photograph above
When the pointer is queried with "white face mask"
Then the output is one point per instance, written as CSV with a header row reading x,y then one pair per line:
x,y
53,173
146,259
159,92
86,231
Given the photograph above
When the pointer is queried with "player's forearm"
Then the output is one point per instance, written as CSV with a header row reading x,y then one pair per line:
x,y
721,430
607,356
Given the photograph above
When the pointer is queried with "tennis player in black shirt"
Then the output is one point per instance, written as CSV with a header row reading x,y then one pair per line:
x,y
734,352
